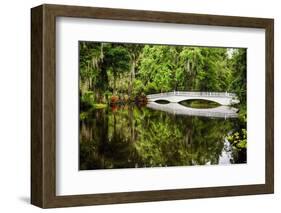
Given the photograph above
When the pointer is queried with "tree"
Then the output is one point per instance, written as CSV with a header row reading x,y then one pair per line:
x,y
157,67
117,61
215,74
191,64
239,66
90,62
135,51
91,54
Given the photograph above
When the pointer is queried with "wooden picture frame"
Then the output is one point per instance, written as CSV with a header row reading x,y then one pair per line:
x,y
43,105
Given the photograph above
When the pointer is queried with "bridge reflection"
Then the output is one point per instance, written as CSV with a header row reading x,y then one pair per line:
x,y
178,109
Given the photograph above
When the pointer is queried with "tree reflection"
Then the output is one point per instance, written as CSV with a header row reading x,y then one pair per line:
x,y
129,137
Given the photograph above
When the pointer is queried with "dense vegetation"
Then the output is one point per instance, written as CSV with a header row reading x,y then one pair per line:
x,y
122,72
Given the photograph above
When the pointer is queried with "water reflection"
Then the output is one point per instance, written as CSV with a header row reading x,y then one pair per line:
x,y
130,137
179,109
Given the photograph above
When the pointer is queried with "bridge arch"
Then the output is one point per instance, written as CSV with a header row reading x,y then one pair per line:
x,y
162,101
200,100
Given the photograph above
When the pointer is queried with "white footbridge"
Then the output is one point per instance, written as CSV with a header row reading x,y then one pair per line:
x,y
223,98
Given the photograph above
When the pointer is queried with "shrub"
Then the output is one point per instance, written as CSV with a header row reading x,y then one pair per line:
x,y
114,99
87,100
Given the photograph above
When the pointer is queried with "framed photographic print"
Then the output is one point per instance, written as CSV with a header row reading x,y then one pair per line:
x,y
136,106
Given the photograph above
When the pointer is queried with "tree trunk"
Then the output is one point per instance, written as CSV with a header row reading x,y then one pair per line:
x,y
114,84
132,78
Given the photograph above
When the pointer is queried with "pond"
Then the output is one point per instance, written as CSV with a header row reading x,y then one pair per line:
x,y
135,137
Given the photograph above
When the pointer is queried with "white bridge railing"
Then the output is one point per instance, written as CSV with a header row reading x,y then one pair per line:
x,y
192,94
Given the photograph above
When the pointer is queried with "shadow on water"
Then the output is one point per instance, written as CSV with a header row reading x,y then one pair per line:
x,y
199,104
162,102
132,137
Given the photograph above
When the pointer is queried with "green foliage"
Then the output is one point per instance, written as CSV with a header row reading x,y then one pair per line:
x,y
243,113
217,73
99,106
91,54
83,115
191,63
238,65
116,61
138,87
156,68
238,139
87,100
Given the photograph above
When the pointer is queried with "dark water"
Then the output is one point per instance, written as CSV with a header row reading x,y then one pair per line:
x,y
199,104
131,137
